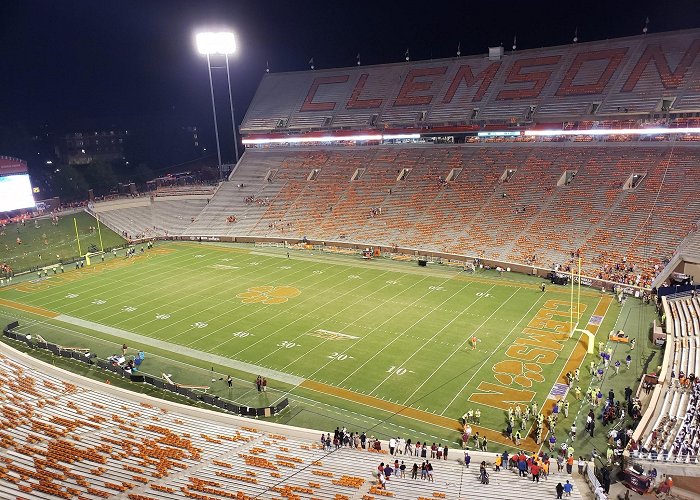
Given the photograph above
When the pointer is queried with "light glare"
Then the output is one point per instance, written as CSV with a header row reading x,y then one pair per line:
x,y
223,42
622,131
330,138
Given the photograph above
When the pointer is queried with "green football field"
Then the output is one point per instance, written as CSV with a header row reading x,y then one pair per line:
x,y
377,343
44,243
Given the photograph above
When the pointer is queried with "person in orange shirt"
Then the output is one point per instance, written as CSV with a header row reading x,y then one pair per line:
x,y
569,464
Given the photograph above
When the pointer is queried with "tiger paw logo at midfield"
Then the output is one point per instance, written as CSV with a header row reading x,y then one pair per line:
x,y
523,374
268,294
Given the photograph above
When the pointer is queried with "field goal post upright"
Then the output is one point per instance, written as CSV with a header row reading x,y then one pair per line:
x,y
88,255
590,346
77,236
99,232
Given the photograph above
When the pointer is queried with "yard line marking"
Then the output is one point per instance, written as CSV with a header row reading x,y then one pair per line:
x,y
367,311
55,287
397,337
349,306
215,304
308,298
179,292
126,277
427,341
322,306
506,337
148,281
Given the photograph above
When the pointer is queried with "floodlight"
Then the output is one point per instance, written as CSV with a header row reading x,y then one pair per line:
x,y
223,42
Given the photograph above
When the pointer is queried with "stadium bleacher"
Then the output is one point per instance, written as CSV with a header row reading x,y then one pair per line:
x,y
673,436
620,76
67,439
478,213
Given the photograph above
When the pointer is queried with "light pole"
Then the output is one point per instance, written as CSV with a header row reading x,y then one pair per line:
x,y
210,43
230,101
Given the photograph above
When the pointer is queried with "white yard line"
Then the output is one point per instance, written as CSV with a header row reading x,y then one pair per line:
x,y
147,282
367,311
395,338
360,284
252,311
54,294
159,295
427,342
228,298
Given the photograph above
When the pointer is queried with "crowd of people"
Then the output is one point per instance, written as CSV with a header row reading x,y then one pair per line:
x,y
130,364
5,270
385,472
252,200
534,467
627,273
686,443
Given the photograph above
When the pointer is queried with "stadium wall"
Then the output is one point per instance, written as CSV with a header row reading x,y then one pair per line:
x,y
412,253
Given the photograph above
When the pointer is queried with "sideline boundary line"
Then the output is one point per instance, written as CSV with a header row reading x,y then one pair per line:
x,y
412,413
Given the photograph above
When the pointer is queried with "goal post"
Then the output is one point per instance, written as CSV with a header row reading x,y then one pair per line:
x,y
590,337
90,255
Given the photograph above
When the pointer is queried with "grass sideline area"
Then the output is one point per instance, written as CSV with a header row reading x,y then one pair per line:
x,y
379,345
44,243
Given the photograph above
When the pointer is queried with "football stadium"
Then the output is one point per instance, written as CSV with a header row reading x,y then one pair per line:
x,y
449,278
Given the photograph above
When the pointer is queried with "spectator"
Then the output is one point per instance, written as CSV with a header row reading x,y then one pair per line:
x,y
522,467
568,488
560,490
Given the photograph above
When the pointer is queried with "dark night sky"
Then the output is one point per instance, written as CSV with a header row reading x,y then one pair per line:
x,y
76,63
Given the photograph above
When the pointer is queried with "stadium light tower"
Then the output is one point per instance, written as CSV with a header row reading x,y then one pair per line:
x,y
224,43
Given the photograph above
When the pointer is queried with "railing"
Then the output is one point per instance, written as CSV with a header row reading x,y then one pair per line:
x,y
142,377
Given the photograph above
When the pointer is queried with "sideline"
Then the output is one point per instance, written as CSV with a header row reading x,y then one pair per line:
x,y
193,353
451,424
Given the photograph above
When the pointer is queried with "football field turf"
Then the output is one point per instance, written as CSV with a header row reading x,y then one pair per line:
x,y
44,243
382,339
